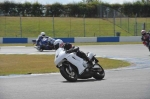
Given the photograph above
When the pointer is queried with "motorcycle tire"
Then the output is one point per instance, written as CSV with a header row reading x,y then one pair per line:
x,y
69,76
99,75
41,50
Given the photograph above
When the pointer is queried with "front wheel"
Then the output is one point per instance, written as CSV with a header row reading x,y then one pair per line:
x,y
68,73
39,49
99,73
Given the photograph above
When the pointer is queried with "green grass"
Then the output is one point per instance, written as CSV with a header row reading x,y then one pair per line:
x,y
27,64
80,44
68,27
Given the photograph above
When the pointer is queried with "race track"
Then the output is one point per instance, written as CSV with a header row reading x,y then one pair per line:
x,y
131,82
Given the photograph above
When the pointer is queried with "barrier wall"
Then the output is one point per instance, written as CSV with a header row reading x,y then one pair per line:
x,y
85,39
130,39
78,39
107,39
30,39
70,40
15,40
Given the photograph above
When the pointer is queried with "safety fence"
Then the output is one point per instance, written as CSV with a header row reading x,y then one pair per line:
x,y
107,22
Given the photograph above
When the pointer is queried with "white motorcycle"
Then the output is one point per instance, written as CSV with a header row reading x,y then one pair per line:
x,y
73,67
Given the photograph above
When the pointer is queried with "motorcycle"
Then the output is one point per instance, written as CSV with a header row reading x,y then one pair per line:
x,y
73,67
147,44
147,41
44,44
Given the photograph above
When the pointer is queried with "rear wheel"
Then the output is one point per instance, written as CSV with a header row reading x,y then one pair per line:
x,y
99,73
68,73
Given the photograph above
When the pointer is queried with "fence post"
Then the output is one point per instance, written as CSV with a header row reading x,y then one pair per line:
x,y
70,27
5,25
53,27
135,34
114,23
84,24
20,26
128,24
39,25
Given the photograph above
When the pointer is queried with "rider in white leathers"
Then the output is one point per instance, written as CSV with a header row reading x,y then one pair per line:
x,y
69,49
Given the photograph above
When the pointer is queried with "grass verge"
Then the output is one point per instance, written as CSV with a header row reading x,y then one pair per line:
x,y
27,64
93,43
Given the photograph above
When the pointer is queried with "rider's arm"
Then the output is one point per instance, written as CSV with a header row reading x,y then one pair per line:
x,y
73,49
40,38
67,46
142,38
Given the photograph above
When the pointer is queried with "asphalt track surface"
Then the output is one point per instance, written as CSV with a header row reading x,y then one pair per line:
x,y
131,82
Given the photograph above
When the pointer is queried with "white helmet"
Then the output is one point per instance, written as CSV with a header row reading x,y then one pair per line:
x,y
58,43
42,33
143,32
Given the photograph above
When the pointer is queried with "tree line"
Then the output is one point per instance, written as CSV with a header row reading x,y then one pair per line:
x,y
88,8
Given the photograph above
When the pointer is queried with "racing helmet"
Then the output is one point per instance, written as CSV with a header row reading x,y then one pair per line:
x,y
42,33
143,32
58,43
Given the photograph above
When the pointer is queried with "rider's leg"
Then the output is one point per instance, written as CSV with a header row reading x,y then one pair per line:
x,y
84,56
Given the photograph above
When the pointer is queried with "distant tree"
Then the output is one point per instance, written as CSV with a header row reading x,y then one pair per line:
x,y
128,9
36,9
73,9
56,9
27,9
48,10
8,7
89,1
19,9
117,7
144,1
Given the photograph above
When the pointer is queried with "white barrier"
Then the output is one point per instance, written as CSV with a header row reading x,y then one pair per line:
x,y
85,39
30,39
1,40
130,39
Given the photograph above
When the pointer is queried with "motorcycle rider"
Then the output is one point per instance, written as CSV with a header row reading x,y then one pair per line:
x,y
43,35
70,48
51,40
145,37
40,37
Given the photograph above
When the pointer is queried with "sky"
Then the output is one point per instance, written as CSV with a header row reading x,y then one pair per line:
x,y
67,1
